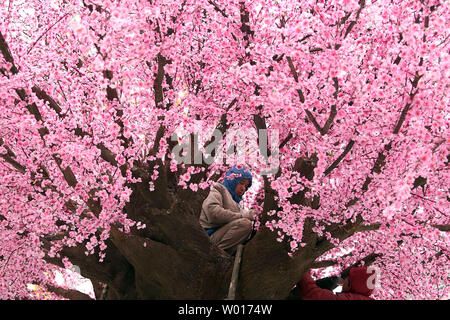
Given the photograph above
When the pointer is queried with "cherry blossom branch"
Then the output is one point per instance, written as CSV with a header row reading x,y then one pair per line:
x,y
159,99
335,164
111,94
12,162
9,258
285,141
156,144
382,154
438,145
98,8
245,19
41,94
362,4
33,109
408,105
351,228
323,130
45,32
67,172
216,7
299,91
222,125
70,204
4,48
105,153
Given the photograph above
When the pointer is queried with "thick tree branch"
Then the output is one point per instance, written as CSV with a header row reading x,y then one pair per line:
x,y
323,264
444,227
114,270
157,84
41,94
70,294
169,264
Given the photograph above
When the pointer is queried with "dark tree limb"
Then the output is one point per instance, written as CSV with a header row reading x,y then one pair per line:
x,y
4,48
216,7
70,294
444,228
41,94
114,270
14,163
362,4
323,130
157,84
112,94
368,260
295,75
335,164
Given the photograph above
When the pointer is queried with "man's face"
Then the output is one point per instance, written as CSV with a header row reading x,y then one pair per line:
x,y
241,187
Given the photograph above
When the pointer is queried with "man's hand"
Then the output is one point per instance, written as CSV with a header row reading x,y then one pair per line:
x,y
250,215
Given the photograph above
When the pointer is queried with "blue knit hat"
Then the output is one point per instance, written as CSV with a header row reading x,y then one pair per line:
x,y
230,183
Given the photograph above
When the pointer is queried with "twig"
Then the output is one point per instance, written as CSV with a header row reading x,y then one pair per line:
x,y
48,29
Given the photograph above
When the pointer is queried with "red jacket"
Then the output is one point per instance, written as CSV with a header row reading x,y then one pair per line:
x,y
310,291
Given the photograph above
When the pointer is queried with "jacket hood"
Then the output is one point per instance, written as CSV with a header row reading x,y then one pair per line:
x,y
233,176
359,277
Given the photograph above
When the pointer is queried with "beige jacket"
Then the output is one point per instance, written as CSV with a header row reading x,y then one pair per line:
x,y
219,208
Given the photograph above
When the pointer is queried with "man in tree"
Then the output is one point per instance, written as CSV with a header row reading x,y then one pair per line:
x,y
355,287
223,219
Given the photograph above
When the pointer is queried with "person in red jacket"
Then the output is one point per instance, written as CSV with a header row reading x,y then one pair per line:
x,y
355,287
